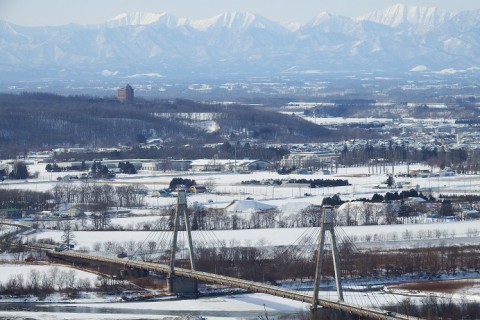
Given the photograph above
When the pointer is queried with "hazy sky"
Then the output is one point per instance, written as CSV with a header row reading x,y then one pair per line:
x,y
55,12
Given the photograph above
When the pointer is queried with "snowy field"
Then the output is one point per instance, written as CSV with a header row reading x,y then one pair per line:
x,y
364,182
379,237
288,198
385,236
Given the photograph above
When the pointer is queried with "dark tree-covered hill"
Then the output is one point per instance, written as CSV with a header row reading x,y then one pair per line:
x,y
40,120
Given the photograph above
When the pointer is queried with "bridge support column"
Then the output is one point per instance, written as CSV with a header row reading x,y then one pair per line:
x,y
327,225
178,285
324,314
182,286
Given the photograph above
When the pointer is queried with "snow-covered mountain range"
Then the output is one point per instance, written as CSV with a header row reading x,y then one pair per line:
x,y
396,39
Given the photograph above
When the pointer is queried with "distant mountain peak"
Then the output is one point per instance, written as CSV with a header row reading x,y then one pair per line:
x,y
231,20
143,18
137,18
396,38
328,22
7,28
400,15
321,18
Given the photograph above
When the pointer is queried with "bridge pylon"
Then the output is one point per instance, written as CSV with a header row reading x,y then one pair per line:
x,y
327,224
176,284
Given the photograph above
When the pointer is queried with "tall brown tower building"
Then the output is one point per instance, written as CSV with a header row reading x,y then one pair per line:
x,y
125,95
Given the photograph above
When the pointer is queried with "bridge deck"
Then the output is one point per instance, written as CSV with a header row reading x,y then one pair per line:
x,y
366,312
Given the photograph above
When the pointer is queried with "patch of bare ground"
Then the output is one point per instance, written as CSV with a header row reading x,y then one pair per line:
x,y
443,286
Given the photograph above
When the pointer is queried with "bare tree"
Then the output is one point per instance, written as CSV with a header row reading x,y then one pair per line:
x,y
34,280
310,216
210,185
70,278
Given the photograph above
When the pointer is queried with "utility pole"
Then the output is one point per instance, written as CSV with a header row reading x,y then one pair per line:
x,y
235,163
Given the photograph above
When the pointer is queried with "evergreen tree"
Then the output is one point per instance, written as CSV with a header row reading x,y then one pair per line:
x,y
390,181
20,171
377,198
404,211
127,167
335,200
180,181
67,236
446,209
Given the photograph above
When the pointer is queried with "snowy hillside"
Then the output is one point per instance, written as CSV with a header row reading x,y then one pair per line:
x,y
395,39
402,15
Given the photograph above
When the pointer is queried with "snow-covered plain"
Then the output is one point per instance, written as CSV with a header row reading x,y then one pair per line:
x,y
386,236
364,182
289,199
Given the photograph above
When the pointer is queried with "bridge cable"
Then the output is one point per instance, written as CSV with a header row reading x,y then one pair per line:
x,y
365,299
374,300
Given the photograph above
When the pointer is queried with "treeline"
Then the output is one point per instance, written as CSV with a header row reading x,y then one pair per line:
x,y
256,262
223,151
45,282
438,308
313,183
24,199
90,195
461,109
430,262
102,195
395,196
54,280
277,182
460,160
321,183
460,197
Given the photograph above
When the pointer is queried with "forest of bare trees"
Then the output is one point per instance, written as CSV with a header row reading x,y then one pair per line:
x,y
39,120
387,156
104,195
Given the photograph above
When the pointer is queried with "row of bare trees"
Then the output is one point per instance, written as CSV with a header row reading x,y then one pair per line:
x,y
257,263
390,154
44,282
24,199
434,308
132,195
41,283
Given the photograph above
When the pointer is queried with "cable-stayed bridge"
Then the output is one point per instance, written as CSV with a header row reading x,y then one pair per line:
x,y
364,312
184,280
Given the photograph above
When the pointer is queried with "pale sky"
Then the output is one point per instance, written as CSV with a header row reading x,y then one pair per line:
x,y
58,12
